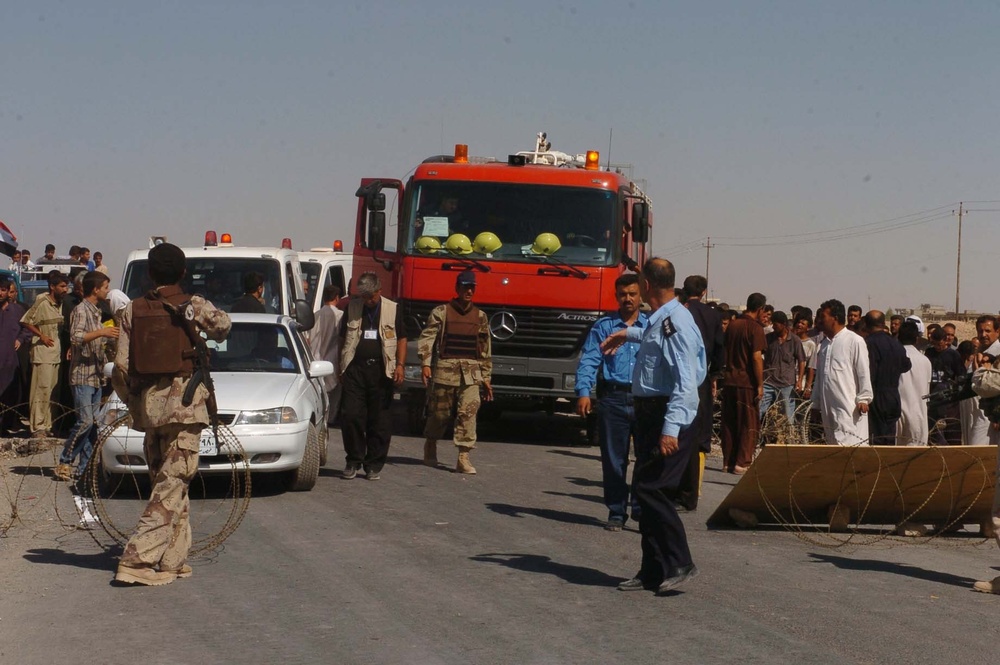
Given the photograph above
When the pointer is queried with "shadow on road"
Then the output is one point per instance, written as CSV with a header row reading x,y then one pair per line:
x,y
582,497
536,563
573,453
584,482
544,513
96,561
40,470
876,566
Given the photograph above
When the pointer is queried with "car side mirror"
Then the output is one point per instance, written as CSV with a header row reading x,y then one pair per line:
x,y
320,368
303,315
640,222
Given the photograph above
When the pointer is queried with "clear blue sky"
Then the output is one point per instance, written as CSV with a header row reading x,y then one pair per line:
x,y
119,120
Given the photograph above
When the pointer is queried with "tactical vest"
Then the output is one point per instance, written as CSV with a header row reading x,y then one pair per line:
x,y
159,345
387,333
460,334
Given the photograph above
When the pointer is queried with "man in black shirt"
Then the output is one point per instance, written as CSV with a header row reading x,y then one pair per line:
x,y
252,300
946,365
372,357
887,360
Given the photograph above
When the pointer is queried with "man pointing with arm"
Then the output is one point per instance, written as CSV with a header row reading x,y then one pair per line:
x,y
669,367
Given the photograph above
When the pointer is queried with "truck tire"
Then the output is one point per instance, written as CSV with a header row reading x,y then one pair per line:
x,y
593,438
415,412
303,478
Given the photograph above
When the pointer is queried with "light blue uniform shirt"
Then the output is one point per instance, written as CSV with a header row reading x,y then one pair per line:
x,y
670,362
618,367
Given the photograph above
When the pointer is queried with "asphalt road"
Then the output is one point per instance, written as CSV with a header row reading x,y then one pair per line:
x,y
509,566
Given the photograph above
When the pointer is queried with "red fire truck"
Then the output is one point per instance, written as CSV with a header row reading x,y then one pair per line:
x,y
547,234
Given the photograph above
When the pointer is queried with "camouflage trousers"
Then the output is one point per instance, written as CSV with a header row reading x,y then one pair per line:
x,y
163,535
458,402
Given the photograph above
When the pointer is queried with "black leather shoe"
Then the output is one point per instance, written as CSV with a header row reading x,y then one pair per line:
x,y
635,584
684,573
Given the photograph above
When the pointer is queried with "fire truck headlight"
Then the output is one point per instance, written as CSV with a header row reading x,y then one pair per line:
x,y
569,381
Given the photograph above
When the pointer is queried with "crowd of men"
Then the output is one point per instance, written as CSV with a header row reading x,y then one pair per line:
x,y
657,367
20,260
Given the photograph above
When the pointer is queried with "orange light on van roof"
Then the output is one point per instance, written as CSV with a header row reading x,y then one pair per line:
x,y
226,239
338,245
286,243
461,153
593,160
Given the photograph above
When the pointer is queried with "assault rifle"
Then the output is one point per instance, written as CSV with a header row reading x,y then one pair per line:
x,y
960,388
202,374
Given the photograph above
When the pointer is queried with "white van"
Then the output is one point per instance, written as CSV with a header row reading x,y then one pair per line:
x,y
325,266
216,270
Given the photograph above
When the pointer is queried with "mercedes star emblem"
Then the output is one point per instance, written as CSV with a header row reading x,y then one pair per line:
x,y
503,325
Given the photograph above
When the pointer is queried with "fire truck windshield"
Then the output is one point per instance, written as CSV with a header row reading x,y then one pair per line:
x,y
504,222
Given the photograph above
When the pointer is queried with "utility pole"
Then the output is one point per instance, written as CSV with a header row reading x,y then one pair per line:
x,y
958,268
708,254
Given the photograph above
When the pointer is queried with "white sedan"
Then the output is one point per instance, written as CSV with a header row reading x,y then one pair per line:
x,y
270,395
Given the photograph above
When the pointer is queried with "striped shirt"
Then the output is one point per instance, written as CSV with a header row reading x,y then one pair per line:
x,y
87,365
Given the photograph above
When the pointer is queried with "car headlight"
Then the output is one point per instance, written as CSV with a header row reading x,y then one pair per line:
x,y
277,416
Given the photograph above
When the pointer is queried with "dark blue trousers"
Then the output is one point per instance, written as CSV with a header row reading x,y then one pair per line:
x,y
657,482
616,427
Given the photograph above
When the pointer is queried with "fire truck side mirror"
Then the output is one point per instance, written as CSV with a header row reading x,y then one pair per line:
x,y
376,230
376,201
640,222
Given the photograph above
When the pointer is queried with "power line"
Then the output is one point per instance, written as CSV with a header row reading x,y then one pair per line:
x,y
891,220
842,234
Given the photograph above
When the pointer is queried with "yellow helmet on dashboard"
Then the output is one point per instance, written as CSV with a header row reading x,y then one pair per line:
x,y
546,243
486,243
458,243
427,244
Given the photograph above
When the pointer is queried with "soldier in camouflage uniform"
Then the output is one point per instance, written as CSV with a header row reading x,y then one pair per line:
x,y
456,344
157,551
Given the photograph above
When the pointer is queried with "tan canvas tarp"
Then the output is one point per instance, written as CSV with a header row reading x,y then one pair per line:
x,y
877,484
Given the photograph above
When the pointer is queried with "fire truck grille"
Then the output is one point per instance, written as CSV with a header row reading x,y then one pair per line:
x,y
549,333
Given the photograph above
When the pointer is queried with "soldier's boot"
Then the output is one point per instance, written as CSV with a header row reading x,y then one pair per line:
x,y
464,465
146,576
430,452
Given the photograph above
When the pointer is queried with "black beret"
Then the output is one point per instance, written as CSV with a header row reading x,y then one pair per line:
x,y
167,257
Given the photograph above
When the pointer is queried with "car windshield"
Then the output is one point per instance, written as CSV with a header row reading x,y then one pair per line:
x,y
572,224
254,347
220,280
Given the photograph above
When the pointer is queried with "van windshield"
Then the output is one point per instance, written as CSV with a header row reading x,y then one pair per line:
x,y
220,280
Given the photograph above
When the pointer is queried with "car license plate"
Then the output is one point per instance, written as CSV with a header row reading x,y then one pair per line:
x,y
207,444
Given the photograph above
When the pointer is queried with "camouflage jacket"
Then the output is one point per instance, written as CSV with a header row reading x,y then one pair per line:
x,y
454,371
155,403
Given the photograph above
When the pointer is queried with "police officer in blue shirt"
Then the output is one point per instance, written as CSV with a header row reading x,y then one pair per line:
x,y
612,375
669,367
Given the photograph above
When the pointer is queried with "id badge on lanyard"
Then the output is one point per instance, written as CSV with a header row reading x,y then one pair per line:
x,y
371,334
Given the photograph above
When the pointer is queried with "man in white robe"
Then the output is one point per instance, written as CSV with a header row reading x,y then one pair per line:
x,y
842,390
914,385
324,342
